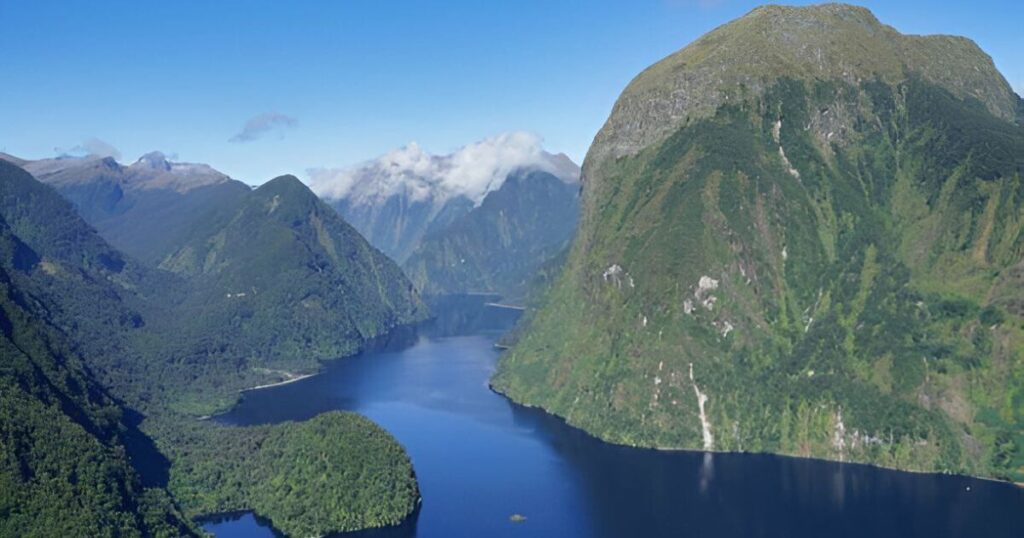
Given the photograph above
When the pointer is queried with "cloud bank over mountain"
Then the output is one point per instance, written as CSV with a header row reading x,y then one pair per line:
x,y
471,171
90,147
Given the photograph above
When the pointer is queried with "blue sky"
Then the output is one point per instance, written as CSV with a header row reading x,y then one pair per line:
x,y
335,83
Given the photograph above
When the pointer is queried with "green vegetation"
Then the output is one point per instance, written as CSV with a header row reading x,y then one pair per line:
x,y
291,277
500,246
740,59
285,288
285,283
256,284
80,319
335,472
64,469
837,262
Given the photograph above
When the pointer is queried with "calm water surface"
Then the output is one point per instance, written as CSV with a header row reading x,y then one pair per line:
x,y
480,459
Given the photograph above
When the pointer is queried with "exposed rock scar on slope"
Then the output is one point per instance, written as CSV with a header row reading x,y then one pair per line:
x,y
776,131
705,426
702,294
616,275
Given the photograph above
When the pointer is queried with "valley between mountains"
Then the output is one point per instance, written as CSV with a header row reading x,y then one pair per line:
x,y
144,297
801,234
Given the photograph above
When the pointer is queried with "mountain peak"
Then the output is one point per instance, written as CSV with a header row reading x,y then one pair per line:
x,y
849,12
808,186
561,166
740,60
283,182
12,159
286,189
155,171
155,160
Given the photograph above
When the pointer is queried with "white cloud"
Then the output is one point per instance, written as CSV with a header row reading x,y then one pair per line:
x,y
91,146
471,171
263,124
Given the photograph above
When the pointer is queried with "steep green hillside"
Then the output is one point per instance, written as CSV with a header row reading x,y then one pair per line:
x,y
801,234
123,318
500,245
90,290
285,277
64,466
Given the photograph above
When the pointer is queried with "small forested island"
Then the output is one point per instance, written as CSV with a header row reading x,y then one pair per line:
x,y
335,472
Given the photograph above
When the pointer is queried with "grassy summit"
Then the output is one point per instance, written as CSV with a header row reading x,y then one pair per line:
x,y
744,58
801,234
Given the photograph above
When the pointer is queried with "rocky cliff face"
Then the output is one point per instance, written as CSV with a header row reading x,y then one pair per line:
x,y
501,245
398,223
800,234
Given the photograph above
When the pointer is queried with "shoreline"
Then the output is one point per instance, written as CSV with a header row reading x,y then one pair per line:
x,y
216,518
296,377
1019,485
293,379
322,363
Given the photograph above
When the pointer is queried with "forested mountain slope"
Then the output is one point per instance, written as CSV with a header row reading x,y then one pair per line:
x,y
800,234
256,289
64,466
290,279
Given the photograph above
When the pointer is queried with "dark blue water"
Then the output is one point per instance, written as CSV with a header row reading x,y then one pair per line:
x,y
480,459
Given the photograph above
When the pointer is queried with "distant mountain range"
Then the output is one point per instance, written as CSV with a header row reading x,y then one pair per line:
x,y
139,297
485,218
145,209
482,219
